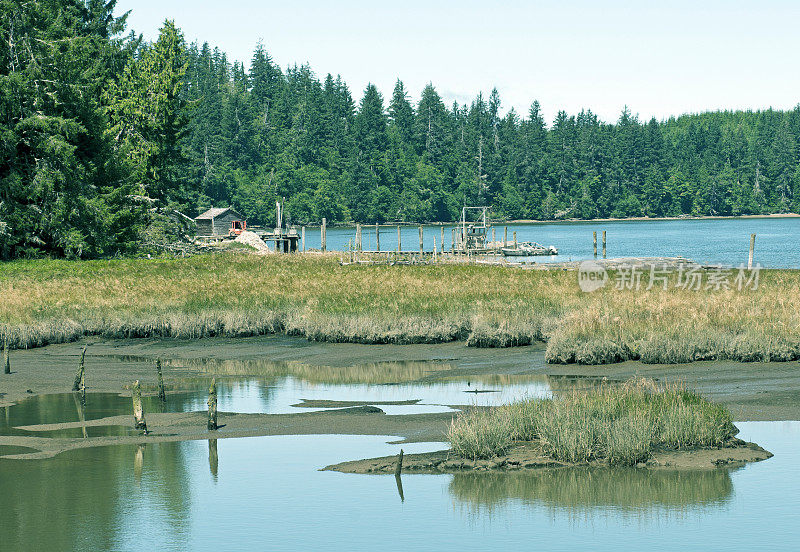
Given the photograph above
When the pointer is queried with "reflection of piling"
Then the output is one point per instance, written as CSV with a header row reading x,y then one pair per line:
x,y
79,408
138,409
399,467
323,235
162,393
212,405
213,457
752,251
399,482
604,244
6,357
79,376
594,240
138,463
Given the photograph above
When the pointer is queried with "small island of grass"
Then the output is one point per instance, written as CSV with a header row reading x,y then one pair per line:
x,y
639,423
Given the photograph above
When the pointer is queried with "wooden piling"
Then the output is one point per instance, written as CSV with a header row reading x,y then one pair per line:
x,y
138,410
752,251
212,405
399,466
594,240
399,242
604,244
323,235
303,237
80,381
515,239
162,392
421,243
453,242
494,242
442,242
377,238
505,236
6,356
358,237
434,249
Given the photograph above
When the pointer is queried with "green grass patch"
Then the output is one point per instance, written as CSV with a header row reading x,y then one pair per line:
x,y
620,425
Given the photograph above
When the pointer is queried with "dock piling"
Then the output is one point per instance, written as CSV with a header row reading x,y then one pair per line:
x,y
303,237
515,239
442,242
453,242
377,238
594,240
6,357
212,405
752,251
399,242
604,244
421,244
162,392
323,237
505,236
138,410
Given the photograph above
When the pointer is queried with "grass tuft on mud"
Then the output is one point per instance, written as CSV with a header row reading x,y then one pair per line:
x,y
620,425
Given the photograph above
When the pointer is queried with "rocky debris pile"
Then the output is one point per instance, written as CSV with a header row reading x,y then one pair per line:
x,y
252,239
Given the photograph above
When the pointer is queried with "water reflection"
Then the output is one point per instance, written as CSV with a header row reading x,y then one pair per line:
x,y
213,458
578,490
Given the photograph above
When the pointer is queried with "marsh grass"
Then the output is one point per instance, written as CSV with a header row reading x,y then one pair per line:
x,y
620,425
51,301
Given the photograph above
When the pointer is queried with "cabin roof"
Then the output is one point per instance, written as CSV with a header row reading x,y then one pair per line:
x,y
215,212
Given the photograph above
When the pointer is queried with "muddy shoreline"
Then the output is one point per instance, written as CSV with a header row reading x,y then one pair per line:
x,y
529,456
754,391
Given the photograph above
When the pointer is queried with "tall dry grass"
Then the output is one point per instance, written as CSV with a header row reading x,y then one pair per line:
x,y
620,425
48,301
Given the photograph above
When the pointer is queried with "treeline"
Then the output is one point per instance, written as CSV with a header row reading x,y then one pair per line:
x,y
103,133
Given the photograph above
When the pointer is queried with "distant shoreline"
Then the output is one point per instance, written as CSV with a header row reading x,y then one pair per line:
x,y
565,221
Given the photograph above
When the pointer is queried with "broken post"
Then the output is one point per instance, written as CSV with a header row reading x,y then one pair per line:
x,y
162,393
323,235
421,244
604,244
594,239
399,467
752,252
6,357
212,405
138,410
377,238
80,381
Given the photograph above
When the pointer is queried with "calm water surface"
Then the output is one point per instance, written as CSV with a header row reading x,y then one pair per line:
x,y
265,493
719,241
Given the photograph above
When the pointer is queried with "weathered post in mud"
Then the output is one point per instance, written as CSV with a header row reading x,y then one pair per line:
x,y
162,392
399,467
303,237
212,405
323,235
752,251
377,238
399,242
6,357
138,410
604,244
80,379
594,240
421,243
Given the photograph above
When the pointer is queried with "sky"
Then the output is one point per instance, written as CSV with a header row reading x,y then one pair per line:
x,y
658,58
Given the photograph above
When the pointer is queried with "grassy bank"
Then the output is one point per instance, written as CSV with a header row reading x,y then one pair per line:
x,y
620,425
490,306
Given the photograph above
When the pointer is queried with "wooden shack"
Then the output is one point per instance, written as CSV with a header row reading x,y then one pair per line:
x,y
217,221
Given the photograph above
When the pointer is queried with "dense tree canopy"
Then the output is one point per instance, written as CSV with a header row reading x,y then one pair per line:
x,y
100,130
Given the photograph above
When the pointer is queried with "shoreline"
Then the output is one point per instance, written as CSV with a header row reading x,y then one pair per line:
x,y
764,392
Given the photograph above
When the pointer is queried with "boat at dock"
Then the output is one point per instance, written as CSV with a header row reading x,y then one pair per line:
x,y
529,249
